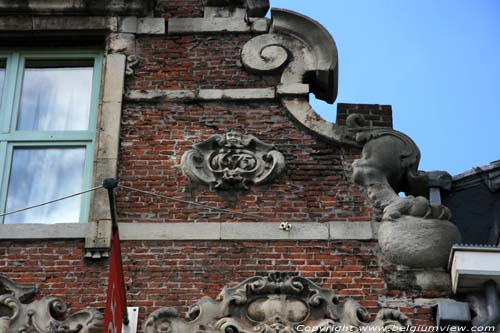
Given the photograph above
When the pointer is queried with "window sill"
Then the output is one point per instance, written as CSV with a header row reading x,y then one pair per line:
x,y
44,231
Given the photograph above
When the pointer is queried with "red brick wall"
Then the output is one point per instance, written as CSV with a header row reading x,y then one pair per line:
x,y
178,273
315,187
194,61
179,8
374,114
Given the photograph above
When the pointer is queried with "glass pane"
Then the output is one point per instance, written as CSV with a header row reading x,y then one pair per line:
x,y
55,95
43,174
2,76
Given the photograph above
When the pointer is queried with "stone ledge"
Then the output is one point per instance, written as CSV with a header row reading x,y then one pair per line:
x,y
64,23
170,231
142,25
272,231
409,302
181,26
131,25
58,7
293,89
199,231
201,95
44,231
353,230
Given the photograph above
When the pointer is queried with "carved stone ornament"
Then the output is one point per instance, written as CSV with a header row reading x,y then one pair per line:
x,y
305,54
232,161
132,62
414,232
20,313
278,303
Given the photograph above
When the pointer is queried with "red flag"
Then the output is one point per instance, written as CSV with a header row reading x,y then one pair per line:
x,y
116,301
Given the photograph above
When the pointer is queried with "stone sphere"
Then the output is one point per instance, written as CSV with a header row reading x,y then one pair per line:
x,y
417,242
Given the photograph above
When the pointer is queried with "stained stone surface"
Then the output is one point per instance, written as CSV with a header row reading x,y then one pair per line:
x,y
279,302
232,161
417,242
20,312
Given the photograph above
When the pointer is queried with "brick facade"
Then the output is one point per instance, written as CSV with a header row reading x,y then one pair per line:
x,y
316,187
178,273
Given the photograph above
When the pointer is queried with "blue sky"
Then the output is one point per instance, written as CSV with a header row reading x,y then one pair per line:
x,y
437,62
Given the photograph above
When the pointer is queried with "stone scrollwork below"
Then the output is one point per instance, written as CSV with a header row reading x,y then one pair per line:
x,y
20,313
278,303
232,161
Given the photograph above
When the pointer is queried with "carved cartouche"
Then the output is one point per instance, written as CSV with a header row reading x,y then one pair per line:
x,y
232,161
277,303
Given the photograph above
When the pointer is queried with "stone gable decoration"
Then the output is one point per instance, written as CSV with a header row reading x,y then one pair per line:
x,y
304,53
232,161
20,313
277,303
414,232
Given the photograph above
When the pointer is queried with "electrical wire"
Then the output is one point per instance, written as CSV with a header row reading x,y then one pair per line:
x,y
190,202
51,201
134,190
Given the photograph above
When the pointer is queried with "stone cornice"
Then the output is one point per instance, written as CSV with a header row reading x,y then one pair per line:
x,y
78,7
262,231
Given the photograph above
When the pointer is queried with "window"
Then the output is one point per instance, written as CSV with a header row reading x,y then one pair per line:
x,y
48,111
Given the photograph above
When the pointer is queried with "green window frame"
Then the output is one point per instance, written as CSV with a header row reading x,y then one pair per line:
x,y
11,138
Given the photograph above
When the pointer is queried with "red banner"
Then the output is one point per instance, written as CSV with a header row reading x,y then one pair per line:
x,y
116,302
